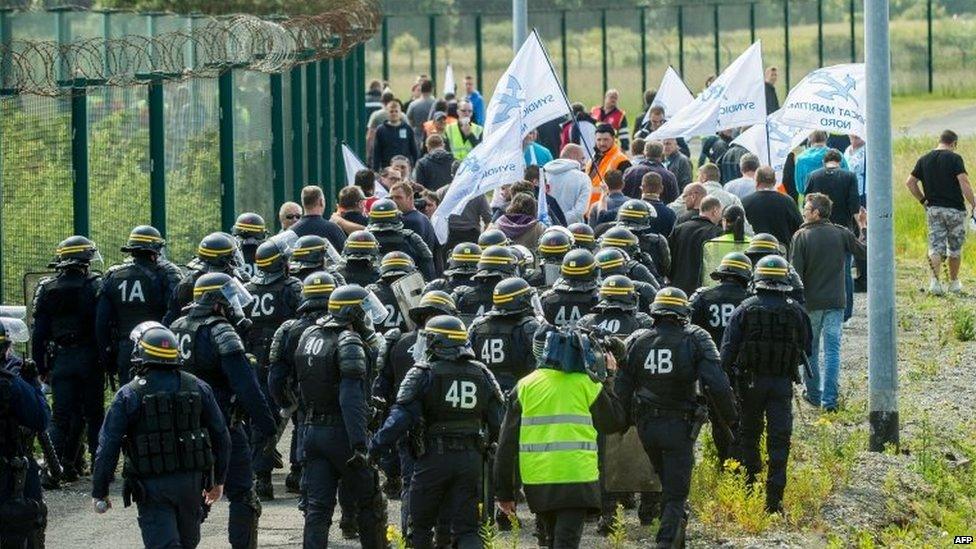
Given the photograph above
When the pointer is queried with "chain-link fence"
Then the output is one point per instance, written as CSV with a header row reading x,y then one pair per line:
x,y
110,120
628,48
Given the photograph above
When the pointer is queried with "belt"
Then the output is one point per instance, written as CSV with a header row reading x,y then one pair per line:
x,y
648,411
323,419
459,443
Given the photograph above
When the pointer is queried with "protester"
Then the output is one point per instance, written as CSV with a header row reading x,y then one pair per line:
x,y
350,213
745,185
533,175
676,162
477,102
772,101
535,154
605,209
402,165
519,222
376,119
312,223
466,226
714,146
609,113
637,149
819,253
394,137
770,211
729,164
420,109
857,160
608,157
653,162
433,170
708,175
811,160
651,187
402,195
289,214
686,206
549,135
639,122
437,125
568,184
686,243
945,185
429,202
465,134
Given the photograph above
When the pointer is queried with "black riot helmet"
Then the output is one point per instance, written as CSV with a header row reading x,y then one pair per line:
x,y
446,337
384,215
352,303
734,265
579,264
309,252
464,259
512,295
271,262
144,238
219,251
772,273
228,293
554,243
395,265
493,237
154,346
496,261
620,237
583,236
75,251
432,303
316,290
762,245
636,214
671,301
523,257
361,245
618,292
13,329
612,261
249,225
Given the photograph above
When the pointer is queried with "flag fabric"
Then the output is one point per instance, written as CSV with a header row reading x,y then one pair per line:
x,y
832,99
673,95
353,164
736,98
772,150
449,85
528,88
496,161
543,206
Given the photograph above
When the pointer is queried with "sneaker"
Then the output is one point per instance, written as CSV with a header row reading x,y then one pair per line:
x,y
955,287
935,287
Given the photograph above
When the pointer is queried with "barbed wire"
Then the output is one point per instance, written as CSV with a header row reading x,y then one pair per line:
x,y
208,47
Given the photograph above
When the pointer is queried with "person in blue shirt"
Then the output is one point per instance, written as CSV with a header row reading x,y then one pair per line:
x,y
477,101
535,154
811,159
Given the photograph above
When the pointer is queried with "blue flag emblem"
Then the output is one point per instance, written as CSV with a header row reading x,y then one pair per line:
x,y
509,100
843,90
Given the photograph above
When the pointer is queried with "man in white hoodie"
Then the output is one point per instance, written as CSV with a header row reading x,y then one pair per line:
x,y
568,184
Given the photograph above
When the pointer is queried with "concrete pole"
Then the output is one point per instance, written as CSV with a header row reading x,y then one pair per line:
x,y
882,351
520,23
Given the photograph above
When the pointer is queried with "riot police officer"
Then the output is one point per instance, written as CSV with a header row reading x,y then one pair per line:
x,y
640,266
496,263
554,244
282,378
333,364
461,265
638,216
657,385
616,314
455,406
493,237
764,244
360,256
711,309
64,346
212,350
524,261
387,227
583,236
767,338
614,261
575,292
310,254
393,267
132,292
250,231
276,299
165,480
23,515
217,253
502,337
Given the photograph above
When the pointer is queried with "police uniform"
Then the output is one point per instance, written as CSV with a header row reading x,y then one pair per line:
x,y
459,405
175,441
614,261
393,267
502,337
386,226
217,253
622,238
657,384
213,351
250,231
496,263
333,364
763,244
133,292
638,216
310,255
575,293
767,337
360,256
64,345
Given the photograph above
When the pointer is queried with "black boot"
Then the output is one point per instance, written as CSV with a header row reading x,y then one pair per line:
x,y
263,487
649,508
294,480
348,527
392,488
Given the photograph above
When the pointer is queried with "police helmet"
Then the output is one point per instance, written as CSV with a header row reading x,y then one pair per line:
x,y
346,303
493,237
154,345
13,329
671,301
432,303
269,258
761,245
512,295
316,290
583,236
207,289
772,273
611,261
496,261
249,225
733,265
395,265
144,238
523,257
578,264
361,245
636,214
446,336
464,259
618,292
309,252
75,250
554,243
384,214
620,237
218,250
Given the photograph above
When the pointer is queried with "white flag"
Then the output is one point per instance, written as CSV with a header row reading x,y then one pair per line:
x,y
352,165
673,95
528,86
449,85
772,150
496,161
830,99
736,98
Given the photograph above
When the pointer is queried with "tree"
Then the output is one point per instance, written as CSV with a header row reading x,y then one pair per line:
x,y
406,44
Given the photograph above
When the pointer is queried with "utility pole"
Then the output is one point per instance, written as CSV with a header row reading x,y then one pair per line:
x,y
882,351
520,23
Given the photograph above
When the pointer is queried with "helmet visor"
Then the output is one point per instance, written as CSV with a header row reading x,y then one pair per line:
x,y
142,328
374,308
285,241
236,294
15,329
330,251
13,311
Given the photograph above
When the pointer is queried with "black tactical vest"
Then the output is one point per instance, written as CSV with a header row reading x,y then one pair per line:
x,y
70,299
401,358
500,343
562,307
359,272
616,321
168,436
269,310
395,241
713,308
474,301
136,291
189,332
12,443
394,318
456,399
771,339
317,370
663,361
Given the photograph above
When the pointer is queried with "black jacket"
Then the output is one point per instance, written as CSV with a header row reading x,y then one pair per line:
x,y
773,212
841,186
393,140
433,171
686,251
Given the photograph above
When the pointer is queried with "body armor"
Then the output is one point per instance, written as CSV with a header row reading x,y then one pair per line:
x,y
394,318
664,359
12,440
771,339
564,305
69,299
363,273
474,301
617,322
456,399
317,371
711,308
273,304
450,283
504,344
188,331
138,291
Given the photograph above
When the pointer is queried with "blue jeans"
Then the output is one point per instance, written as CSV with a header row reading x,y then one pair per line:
x,y
848,287
822,384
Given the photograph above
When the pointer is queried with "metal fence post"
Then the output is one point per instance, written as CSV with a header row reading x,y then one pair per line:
x,y
277,142
79,157
820,44
715,39
603,48
339,113
326,129
385,45
62,33
225,98
563,43
752,23
681,41
157,155
786,40
5,39
432,40
297,132
312,119
928,29
643,46
853,35
479,59
359,100
349,80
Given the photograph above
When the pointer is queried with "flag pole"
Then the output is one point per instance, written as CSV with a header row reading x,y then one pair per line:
x,y
769,152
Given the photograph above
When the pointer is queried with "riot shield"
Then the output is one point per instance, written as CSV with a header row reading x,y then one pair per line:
x,y
626,465
407,290
30,283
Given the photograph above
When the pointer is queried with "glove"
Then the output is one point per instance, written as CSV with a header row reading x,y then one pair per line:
x,y
359,460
